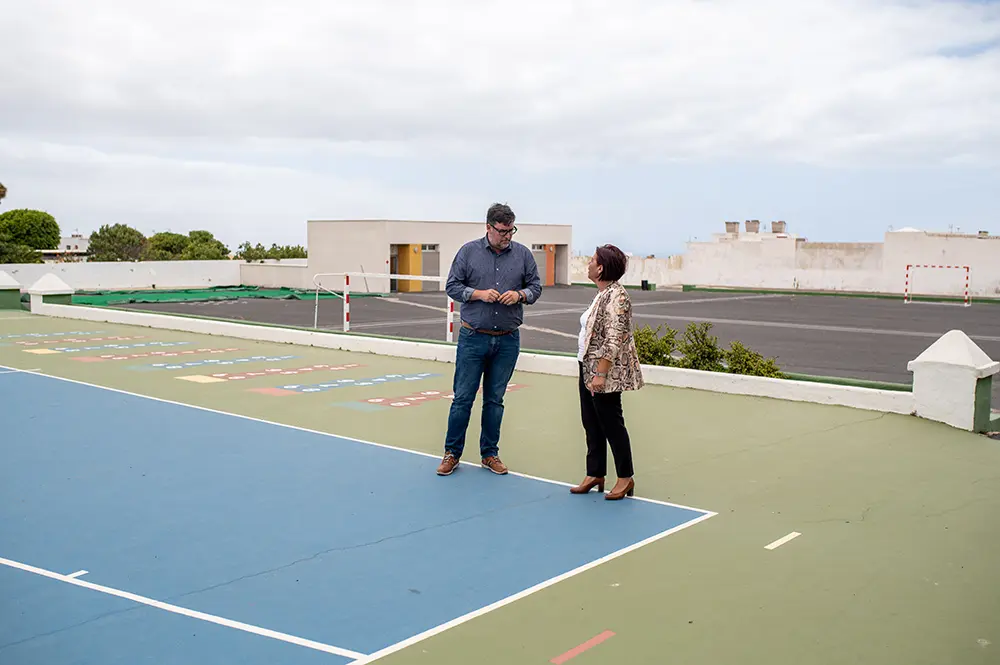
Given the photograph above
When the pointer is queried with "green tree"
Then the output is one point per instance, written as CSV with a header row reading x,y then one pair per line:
x,y
117,242
250,253
287,252
203,246
165,246
13,252
35,228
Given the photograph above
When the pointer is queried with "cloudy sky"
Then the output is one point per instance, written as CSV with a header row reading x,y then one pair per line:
x,y
644,123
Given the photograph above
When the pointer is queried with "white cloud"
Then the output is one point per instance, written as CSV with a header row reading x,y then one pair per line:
x,y
556,82
84,188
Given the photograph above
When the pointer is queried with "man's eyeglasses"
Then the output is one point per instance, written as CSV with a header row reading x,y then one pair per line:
x,y
509,232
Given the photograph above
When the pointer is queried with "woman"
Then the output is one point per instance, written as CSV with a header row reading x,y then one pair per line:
x,y
609,365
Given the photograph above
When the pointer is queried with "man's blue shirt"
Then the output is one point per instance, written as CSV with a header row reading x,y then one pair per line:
x,y
478,267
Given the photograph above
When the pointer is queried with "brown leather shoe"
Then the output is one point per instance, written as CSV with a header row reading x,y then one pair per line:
x,y
495,465
447,465
589,483
621,489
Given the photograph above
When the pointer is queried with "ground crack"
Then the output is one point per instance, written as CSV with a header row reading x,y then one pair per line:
x,y
358,546
277,568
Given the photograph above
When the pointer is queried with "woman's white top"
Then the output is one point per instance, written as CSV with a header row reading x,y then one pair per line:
x,y
583,329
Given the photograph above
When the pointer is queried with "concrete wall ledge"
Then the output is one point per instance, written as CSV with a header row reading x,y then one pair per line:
x,y
885,401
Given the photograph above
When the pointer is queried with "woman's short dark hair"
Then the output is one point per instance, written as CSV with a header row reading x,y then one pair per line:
x,y
613,261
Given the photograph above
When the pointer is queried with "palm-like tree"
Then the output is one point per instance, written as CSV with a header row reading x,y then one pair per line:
x,y
3,191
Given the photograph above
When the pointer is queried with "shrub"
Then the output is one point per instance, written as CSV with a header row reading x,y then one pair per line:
x,y
701,351
653,349
741,360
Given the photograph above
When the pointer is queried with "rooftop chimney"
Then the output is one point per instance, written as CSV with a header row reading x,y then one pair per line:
x,y
777,227
732,227
753,225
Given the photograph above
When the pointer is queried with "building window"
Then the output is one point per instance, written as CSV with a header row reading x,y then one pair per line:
x,y
538,247
429,248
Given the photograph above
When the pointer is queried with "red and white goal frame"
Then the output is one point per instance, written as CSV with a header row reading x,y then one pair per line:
x,y
907,289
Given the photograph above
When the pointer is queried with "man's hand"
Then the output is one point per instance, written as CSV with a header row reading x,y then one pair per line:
x,y
510,297
487,295
597,385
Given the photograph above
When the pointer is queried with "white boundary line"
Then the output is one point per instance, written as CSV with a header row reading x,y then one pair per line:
x,y
707,513
13,370
194,614
527,592
79,573
362,659
781,541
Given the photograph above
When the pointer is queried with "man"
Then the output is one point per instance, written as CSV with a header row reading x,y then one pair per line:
x,y
493,278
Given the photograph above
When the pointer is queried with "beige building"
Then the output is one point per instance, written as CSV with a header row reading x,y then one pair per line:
x,y
421,248
402,247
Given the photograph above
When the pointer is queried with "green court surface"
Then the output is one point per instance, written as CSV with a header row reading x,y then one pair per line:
x,y
894,561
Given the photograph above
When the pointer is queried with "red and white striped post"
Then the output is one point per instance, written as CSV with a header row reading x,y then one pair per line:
x,y
451,319
347,303
967,303
906,286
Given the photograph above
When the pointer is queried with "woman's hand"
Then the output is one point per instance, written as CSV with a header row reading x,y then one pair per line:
x,y
597,385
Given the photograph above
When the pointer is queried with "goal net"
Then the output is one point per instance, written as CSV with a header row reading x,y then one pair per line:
x,y
937,281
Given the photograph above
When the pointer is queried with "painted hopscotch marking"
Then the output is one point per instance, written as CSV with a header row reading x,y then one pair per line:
x,y
79,340
215,362
54,334
151,354
416,398
76,349
194,614
271,371
781,541
577,650
296,389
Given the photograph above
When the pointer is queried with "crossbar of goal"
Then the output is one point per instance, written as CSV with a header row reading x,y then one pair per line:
x,y
908,287
449,318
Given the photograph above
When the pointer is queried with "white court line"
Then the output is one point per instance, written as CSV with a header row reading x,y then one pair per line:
x,y
808,326
79,573
19,371
707,513
362,659
194,614
781,541
527,592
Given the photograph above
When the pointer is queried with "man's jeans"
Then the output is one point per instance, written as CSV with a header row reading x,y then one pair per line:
x,y
491,358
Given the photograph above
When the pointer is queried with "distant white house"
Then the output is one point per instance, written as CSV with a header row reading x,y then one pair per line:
x,y
72,248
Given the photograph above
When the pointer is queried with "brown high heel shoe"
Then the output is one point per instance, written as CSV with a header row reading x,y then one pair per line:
x,y
588,484
618,494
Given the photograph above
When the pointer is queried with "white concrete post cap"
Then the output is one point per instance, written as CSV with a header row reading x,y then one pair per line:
x,y
50,285
8,282
955,349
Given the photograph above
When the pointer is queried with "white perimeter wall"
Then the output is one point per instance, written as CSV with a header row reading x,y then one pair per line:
x,y
770,262
275,274
363,246
92,276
